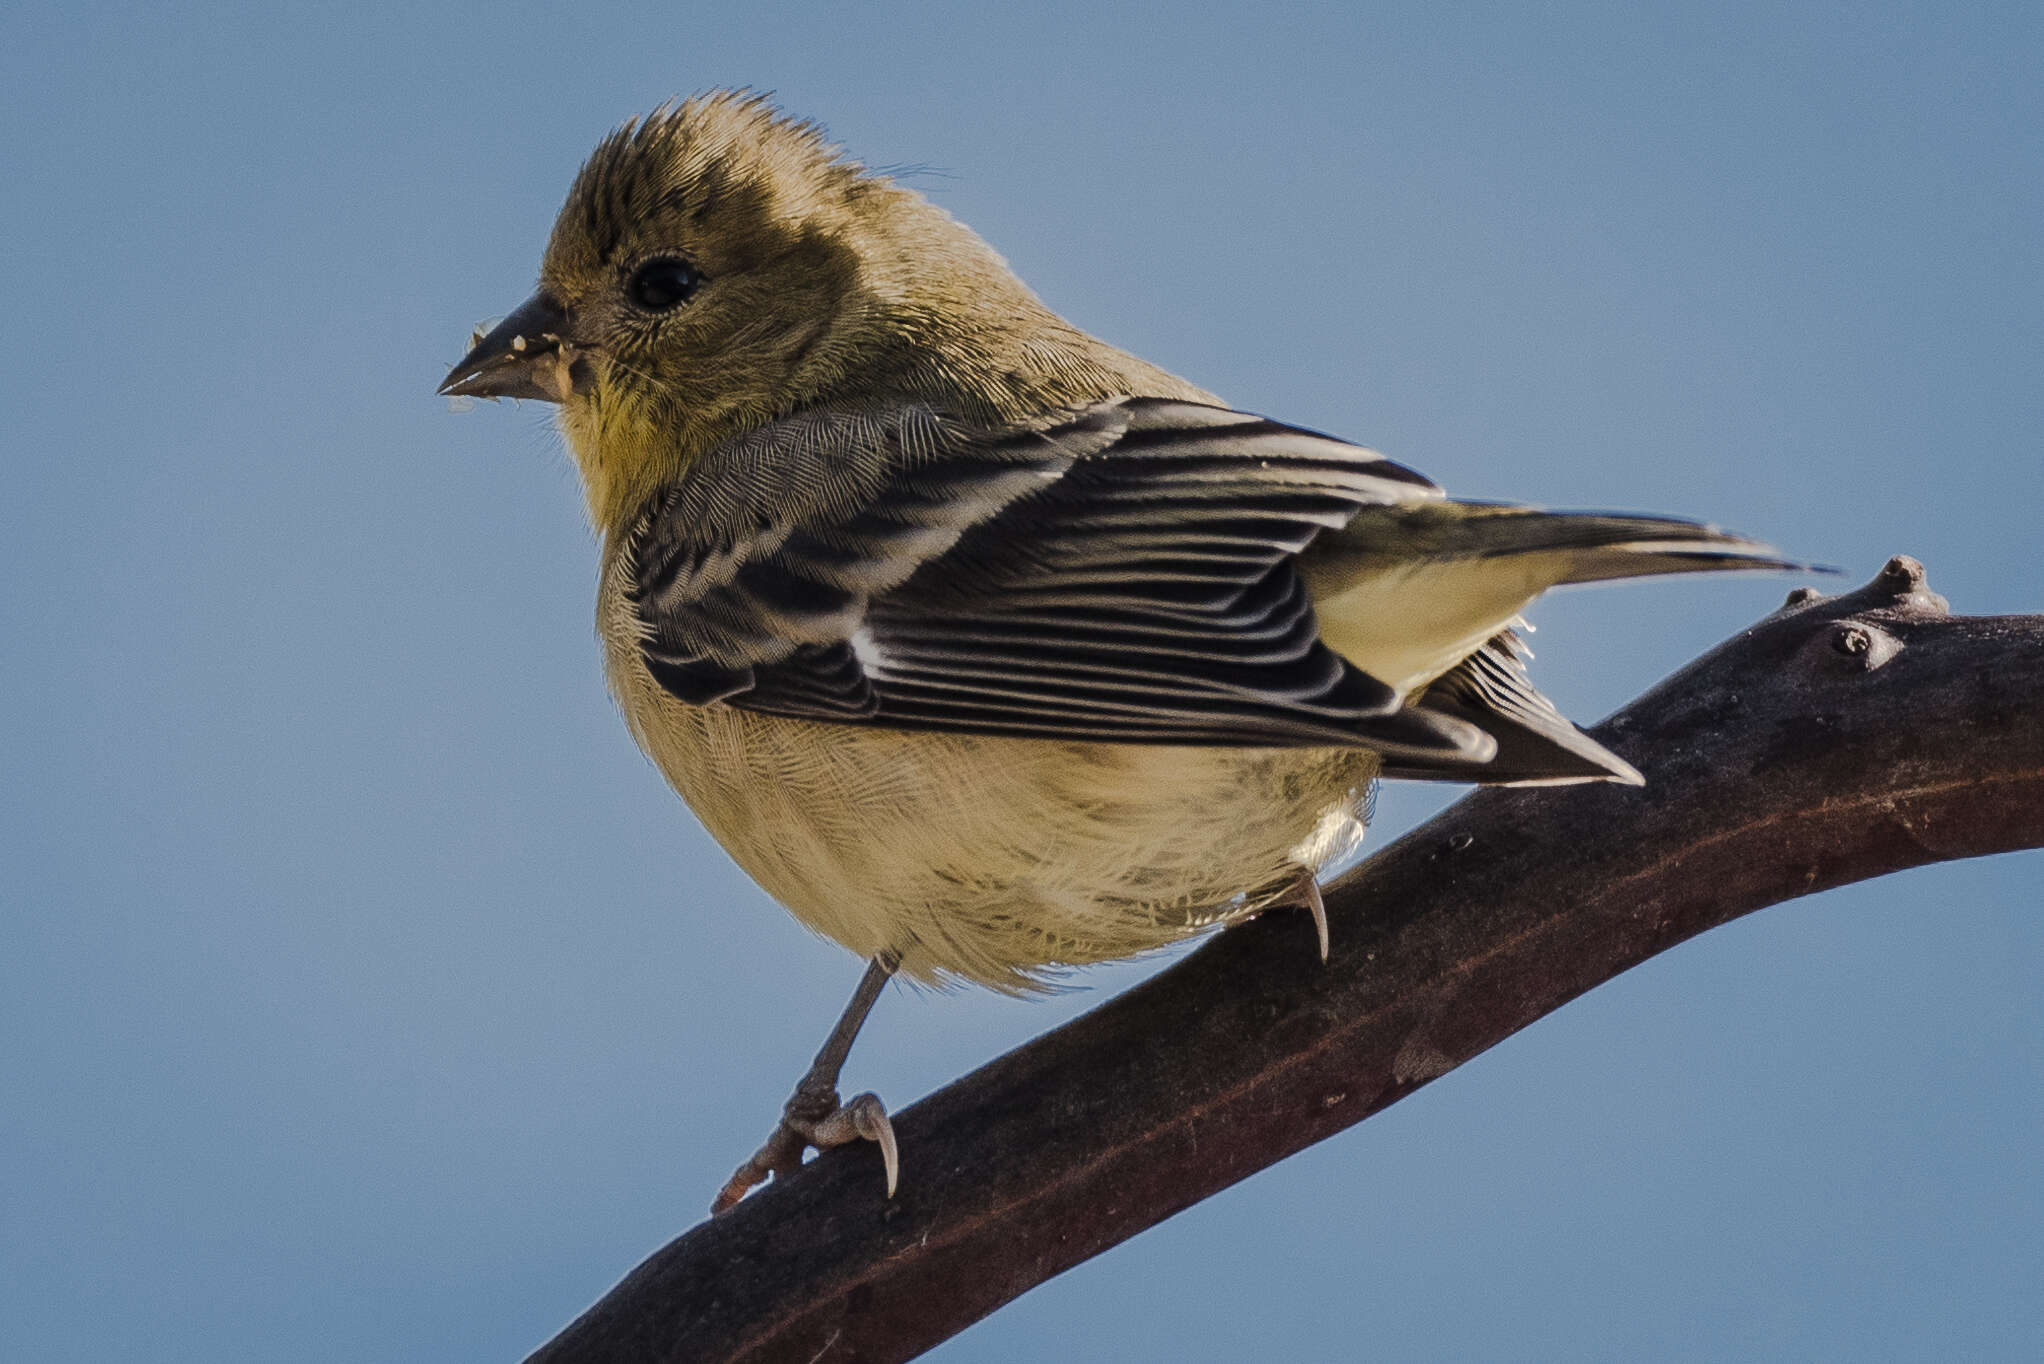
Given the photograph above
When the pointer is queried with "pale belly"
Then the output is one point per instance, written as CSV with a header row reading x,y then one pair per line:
x,y
991,859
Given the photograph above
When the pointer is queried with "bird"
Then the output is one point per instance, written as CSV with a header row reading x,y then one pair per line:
x,y
986,648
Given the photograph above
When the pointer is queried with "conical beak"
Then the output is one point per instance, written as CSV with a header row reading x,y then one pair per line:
x,y
525,356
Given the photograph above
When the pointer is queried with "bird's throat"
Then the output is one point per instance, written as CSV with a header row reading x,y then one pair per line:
x,y
623,464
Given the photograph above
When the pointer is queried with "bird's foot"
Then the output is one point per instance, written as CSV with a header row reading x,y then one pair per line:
x,y
1303,891
814,1117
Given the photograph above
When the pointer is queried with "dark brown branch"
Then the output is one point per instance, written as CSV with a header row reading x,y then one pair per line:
x,y
1838,739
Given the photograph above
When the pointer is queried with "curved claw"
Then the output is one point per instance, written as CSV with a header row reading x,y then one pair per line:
x,y
863,1119
1309,894
1302,891
870,1117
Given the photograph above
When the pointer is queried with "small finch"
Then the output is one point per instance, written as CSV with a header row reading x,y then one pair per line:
x,y
986,648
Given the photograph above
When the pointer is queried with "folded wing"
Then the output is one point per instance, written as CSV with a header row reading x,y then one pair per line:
x,y
1125,574
1141,571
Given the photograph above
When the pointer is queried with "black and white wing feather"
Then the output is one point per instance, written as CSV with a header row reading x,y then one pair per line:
x,y
1536,743
1123,574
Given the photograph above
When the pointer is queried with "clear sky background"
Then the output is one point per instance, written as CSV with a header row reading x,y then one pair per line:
x,y
365,996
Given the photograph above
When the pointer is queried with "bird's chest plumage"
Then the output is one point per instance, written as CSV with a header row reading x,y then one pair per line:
x,y
987,858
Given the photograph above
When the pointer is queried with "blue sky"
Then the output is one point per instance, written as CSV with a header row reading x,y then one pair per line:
x,y
364,995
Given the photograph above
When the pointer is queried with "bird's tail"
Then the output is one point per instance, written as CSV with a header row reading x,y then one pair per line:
x,y
1582,547
1422,595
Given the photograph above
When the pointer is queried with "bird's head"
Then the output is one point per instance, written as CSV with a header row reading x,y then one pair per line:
x,y
718,265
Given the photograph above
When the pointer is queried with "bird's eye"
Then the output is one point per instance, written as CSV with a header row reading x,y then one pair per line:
x,y
659,284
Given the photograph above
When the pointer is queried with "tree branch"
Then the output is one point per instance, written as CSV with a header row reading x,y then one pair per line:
x,y
1840,738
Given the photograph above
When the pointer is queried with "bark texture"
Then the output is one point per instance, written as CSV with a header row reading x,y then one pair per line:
x,y
1840,738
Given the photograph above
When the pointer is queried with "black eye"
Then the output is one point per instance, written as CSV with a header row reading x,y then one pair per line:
x,y
659,284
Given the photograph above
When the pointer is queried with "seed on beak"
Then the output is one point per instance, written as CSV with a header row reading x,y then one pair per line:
x,y
555,373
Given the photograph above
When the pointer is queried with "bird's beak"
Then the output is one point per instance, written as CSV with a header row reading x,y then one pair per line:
x,y
527,355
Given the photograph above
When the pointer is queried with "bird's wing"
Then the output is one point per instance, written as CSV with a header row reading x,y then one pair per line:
x,y
1537,745
1124,574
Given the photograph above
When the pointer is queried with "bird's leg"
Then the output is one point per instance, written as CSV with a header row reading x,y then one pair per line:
x,y
1303,890
813,1116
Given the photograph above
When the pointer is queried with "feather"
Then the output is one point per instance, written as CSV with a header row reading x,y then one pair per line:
x,y
1123,574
